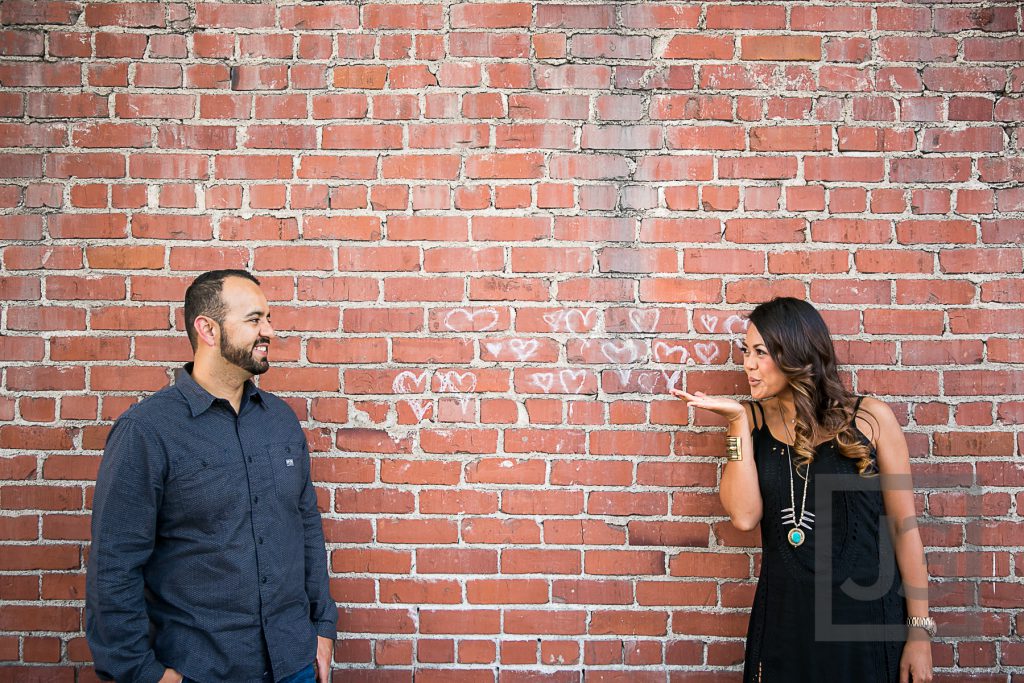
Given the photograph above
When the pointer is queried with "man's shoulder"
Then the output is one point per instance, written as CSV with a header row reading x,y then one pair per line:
x,y
155,409
277,406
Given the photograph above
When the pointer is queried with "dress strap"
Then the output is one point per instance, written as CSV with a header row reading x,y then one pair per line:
x,y
856,405
760,409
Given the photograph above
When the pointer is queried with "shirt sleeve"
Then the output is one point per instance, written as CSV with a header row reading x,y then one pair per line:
x,y
323,611
129,489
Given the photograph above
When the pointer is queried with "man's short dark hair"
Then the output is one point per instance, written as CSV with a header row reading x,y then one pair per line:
x,y
203,298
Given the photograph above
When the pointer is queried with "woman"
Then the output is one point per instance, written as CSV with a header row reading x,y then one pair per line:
x,y
804,432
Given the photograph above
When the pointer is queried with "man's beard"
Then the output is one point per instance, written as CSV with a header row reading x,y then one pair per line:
x,y
242,357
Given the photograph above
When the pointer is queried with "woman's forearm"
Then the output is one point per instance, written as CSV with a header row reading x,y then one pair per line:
x,y
911,561
739,489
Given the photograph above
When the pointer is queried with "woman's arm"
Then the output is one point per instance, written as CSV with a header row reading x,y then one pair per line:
x,y
739,490
898,497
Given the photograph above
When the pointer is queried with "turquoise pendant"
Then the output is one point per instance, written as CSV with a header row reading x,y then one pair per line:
x,y
796,537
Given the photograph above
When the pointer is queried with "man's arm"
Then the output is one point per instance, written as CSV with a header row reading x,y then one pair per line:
x,y
323,611
129,489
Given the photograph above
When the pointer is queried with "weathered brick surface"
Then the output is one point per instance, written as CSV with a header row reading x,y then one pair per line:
x,y
494,233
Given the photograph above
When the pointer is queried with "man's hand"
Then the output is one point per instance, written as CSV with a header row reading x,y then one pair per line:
x,y
171,676
324,651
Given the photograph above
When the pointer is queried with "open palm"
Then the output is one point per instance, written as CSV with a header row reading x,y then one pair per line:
x,y
729,408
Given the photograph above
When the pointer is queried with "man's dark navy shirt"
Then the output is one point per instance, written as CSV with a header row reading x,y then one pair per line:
x,y
207,548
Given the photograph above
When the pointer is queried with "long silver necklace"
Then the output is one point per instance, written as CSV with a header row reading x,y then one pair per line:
x,y
800,525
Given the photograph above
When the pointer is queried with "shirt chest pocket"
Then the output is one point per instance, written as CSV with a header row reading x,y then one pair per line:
x,y
288,462
200,492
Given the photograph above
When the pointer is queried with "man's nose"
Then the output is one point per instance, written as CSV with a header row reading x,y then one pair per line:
x,y
267,330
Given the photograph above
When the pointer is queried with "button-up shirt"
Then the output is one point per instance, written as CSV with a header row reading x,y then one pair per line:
x,y
207,548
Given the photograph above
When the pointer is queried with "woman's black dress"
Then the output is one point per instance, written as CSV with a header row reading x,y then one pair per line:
x,y
862,639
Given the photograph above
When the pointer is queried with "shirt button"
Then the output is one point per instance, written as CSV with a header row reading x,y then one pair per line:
x,y
250,458
264,579
260,540
255,499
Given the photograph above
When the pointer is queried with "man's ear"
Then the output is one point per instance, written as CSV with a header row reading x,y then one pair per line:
x,y
207,330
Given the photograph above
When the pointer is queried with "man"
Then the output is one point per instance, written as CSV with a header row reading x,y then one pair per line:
x,y
208,559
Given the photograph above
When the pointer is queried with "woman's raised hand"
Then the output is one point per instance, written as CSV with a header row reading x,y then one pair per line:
x,y
729,408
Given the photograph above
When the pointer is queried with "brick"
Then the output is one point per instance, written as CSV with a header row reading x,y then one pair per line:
x,y
590,46
86,165
416,17
21,227
456,561
763,168
500,45
791,138
665,168
542,502
621,137
780,48
503,15
210,15
699,47
570,16
34,12
961,79
735,17
573,76
536,106
331,17
40,618
985,260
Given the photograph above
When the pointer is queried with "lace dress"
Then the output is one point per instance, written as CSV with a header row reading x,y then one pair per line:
x,y
861,597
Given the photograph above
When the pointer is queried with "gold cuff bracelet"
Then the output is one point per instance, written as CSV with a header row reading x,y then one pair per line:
x,y
732,448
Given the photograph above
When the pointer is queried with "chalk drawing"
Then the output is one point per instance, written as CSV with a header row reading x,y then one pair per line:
x,y
408,382
454,381
572,380
569,381
709,321
523,348
572,320
543,381
489,319
620,352
707,352
663,352
735,323
671,379
644,319
419,407
647,381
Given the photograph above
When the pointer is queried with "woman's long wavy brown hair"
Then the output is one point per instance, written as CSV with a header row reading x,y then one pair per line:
x,y
799,342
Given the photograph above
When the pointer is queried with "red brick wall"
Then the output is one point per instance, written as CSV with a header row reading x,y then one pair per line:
x,y
491,233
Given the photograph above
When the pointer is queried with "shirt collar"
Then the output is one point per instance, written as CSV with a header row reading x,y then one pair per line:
x,y
200,400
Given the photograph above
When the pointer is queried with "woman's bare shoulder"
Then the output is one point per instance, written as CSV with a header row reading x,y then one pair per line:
x,y
877,409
